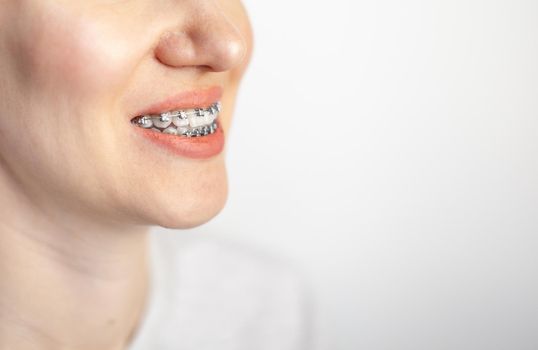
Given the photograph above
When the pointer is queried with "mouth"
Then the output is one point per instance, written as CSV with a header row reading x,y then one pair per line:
x,y
192,122
186,124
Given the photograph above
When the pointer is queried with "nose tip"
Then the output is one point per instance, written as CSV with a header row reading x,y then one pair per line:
x,y
209,41
228,53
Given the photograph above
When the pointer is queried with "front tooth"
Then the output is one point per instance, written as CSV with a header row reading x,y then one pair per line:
x,y
196,121
180,119
208,118
163,121
205,119
211,118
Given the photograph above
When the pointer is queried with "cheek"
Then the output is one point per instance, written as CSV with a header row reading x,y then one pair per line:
x,y
66,53
62,73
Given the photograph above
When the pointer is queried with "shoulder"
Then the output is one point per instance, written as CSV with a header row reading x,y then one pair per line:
x,y
238,290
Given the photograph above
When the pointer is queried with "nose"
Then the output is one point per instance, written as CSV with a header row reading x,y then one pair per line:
x,y
206,39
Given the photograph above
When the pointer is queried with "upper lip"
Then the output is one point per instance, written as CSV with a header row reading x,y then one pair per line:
x,y
199,98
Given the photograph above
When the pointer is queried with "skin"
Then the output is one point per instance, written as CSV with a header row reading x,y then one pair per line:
x,y
78,192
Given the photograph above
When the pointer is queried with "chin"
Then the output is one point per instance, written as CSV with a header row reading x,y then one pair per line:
x,y
201,210
188,205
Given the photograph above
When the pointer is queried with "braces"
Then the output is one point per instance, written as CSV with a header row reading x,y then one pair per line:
x,y
190,123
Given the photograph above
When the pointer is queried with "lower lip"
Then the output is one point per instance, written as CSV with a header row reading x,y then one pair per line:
x,y
201,147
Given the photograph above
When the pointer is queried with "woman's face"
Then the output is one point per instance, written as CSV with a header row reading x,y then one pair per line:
x,y
74,73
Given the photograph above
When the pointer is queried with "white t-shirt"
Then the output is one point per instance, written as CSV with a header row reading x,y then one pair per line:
x,y
209,294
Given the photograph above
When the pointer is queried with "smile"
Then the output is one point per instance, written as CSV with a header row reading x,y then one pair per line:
x,y
197,122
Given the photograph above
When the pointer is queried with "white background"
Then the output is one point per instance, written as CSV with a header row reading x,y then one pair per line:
x,y
389,149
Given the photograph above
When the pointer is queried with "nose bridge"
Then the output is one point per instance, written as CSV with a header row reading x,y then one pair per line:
x,y
203,35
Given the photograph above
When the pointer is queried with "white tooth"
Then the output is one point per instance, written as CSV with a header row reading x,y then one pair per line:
x,y
170,130
207,118
211,118
163,121
182,130
191,113
196,121
155,129
145,122
178,121
191,117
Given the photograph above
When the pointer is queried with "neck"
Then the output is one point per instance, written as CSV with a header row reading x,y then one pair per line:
x,y
70,283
